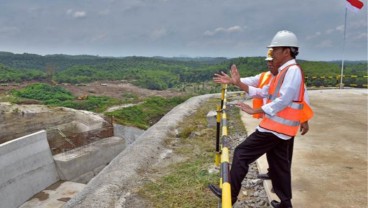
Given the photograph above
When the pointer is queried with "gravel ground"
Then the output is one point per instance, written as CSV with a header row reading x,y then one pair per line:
x,y
252,194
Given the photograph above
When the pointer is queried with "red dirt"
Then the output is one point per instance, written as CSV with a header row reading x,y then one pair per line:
x,y
115,89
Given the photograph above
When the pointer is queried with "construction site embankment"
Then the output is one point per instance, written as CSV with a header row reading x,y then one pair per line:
x,y
329,164
117,181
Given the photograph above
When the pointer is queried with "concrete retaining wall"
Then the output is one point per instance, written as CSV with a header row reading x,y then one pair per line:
x,y
26,168
83,163
109,188
129,133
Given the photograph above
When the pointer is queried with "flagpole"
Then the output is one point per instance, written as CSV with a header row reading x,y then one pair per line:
x,y
343,51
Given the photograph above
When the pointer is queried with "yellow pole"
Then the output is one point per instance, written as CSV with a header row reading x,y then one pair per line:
x,y
224,124
226,188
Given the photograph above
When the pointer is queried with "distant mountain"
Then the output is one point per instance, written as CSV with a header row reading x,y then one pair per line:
x,y
151,72
61,61
350,62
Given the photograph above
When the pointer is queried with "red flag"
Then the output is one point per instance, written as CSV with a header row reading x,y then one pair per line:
x,y
354,5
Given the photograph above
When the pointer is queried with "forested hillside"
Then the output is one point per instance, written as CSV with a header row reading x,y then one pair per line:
x,y
158,72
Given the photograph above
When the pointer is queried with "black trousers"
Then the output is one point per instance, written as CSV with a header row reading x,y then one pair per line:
x,y
278,151
291,148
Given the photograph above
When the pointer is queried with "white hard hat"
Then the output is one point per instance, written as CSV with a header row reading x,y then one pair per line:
x,y
269,55
284,38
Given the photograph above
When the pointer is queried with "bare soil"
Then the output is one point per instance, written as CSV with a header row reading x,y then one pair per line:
x,y
115,89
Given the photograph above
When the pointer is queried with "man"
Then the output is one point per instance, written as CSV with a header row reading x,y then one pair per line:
x,y
259,81
284,112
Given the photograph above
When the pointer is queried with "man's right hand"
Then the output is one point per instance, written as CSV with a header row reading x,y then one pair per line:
x,y
235,76
222,78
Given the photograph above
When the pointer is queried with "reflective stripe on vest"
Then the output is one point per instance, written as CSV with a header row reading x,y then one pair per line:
x,y
258,102
283,121
286,121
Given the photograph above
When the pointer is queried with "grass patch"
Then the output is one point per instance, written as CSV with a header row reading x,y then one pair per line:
x,y
184,184
40,93
146,114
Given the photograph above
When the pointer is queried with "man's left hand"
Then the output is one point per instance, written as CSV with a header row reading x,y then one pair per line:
x,y
246,108
304,127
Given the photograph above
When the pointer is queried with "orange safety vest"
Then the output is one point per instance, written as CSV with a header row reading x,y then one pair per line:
x,y
286,121
264,79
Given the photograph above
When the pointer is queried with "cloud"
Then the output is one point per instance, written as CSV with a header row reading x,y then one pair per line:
x,y
216,28
79,14
100,37
325,44
8,30
359,37
104,12
315,35
158,33
357,24
233,29
340,28
76,14
329,31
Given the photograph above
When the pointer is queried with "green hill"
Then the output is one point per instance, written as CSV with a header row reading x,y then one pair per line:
x,y
159,73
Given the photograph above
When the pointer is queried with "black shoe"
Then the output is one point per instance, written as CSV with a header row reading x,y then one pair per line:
x,y
215,190
263,176
275,204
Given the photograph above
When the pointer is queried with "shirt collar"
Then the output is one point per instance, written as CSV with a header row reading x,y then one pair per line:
x,y
290,62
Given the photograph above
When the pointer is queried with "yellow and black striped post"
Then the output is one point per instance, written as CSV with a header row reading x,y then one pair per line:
x,y
218,126
225,175
223,94
222,155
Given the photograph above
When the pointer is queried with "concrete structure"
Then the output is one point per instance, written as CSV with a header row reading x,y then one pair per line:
x,y
83,163
211,118
129,133
26,167
54,196
114,184
66,128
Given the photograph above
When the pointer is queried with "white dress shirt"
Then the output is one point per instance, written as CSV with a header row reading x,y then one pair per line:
x,y
289,92
253,81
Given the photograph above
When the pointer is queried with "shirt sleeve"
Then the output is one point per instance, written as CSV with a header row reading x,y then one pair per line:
x,y
258,92
306,96
289,91
251,81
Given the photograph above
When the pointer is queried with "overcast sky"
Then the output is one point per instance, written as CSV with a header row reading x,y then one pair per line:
x,y
226,28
